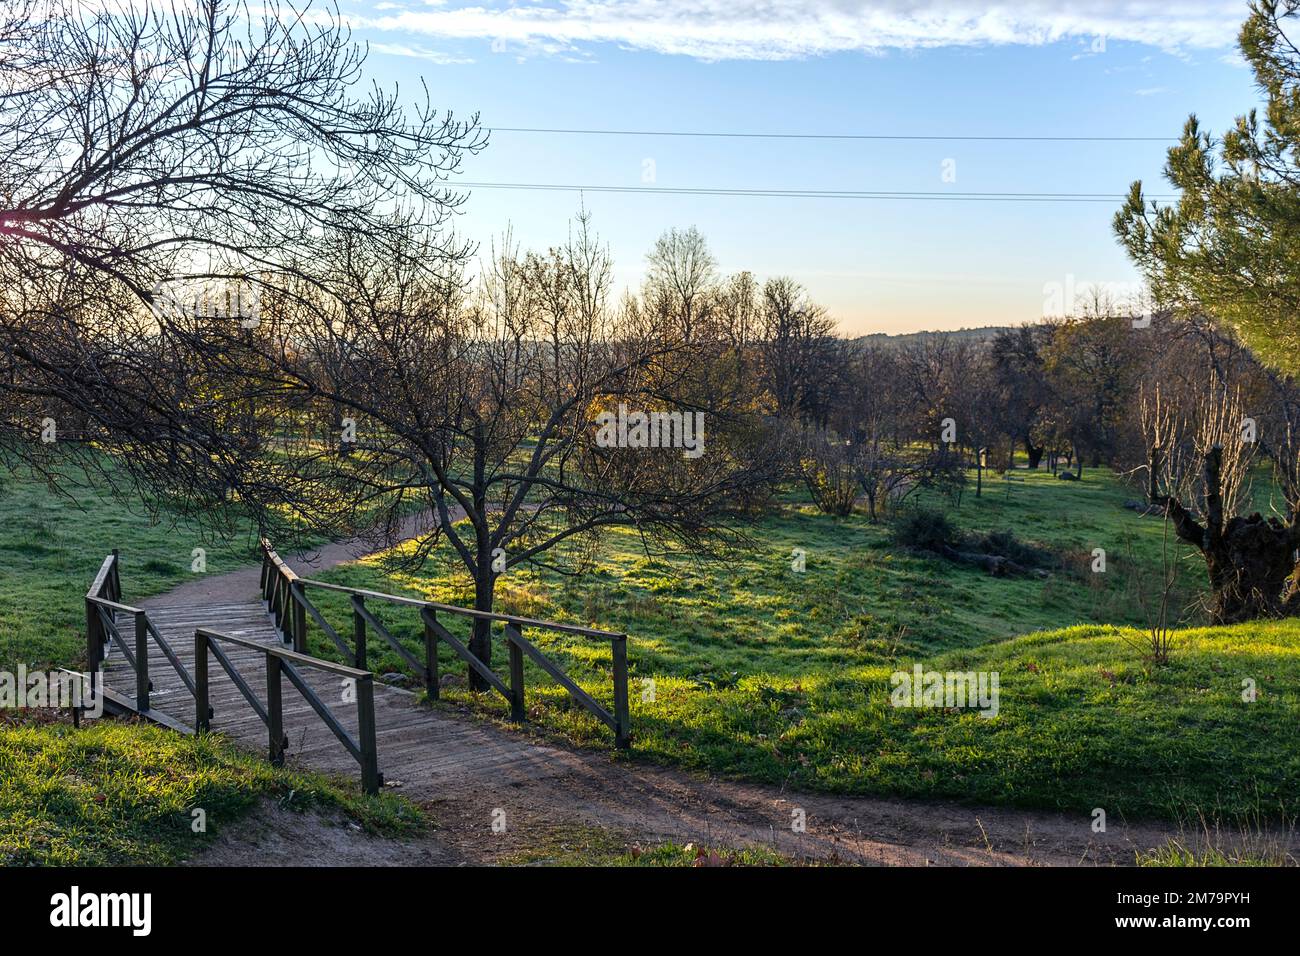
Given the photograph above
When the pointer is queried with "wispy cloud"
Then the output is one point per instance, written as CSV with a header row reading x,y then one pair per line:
x,y
790,29
433,56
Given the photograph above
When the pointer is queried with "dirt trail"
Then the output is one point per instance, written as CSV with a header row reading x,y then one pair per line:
x,y
566,792
244,585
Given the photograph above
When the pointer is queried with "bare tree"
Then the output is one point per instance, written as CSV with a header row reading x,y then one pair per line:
x,y
802,360
1158,640
681,280
738,310
1023,392
1198,472
150,147
525,416
827,463
888,461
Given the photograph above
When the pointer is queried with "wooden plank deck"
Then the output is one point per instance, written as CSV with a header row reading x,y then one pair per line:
x,y
414,742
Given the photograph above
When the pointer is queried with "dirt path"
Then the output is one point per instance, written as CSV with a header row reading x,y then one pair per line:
x,y
244,585
648,804
496,794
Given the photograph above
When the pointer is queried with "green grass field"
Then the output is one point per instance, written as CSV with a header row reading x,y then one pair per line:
x,y
52,544
745,667
750,669
590,846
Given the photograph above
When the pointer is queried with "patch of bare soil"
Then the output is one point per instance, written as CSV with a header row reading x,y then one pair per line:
x,y
244,585
274,836
652,805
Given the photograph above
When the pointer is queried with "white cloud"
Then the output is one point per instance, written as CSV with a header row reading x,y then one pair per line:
x,y
433,56
789,29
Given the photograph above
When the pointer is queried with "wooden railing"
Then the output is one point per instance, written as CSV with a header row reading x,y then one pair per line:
x,y
282,594
281,663
103,605
287,602
285,595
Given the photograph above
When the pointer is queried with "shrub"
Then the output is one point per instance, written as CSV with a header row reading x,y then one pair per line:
x,y
829,473
926,528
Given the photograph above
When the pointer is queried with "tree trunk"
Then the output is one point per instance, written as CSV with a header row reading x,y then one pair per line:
x,y
1250,560
1035,453
1250,569
485,578
480,641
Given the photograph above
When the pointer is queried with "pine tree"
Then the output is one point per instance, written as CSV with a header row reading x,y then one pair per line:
x,y
1230,245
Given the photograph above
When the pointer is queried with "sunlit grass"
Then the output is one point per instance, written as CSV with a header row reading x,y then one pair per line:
x,y
51,546
589,846
747,668
114,793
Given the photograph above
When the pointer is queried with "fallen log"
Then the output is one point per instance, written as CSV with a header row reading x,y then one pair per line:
x,y
996,565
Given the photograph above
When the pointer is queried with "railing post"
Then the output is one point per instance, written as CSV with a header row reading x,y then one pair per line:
x,y
370,780
94,643
202,710
517,712
117,579
298,616
359,633
622,717
282,601
430,653
142,685
275,710
277,602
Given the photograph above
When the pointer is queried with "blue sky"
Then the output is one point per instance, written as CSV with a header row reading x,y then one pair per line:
x,y
1070,68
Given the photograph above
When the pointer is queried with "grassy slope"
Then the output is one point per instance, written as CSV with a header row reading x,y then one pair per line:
x,y
772,675
117,793
50,548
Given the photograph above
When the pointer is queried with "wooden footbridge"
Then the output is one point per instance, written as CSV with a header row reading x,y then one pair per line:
x,y
243,669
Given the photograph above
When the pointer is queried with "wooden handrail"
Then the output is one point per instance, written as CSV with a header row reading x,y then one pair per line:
x,y
284,592
281,662
101,629
278,561
105,572
114,605
468,611
317,663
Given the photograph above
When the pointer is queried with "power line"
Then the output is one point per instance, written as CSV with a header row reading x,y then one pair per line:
x,y
835,136
818,193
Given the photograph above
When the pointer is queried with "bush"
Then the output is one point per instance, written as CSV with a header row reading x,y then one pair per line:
x,y
829,473
927,529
